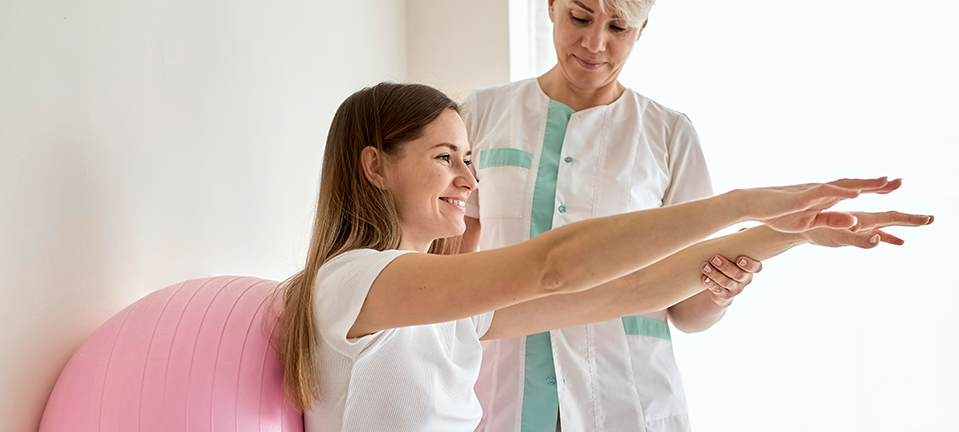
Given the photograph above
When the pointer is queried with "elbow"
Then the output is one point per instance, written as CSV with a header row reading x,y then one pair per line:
x,y
687,325
551,281
557,275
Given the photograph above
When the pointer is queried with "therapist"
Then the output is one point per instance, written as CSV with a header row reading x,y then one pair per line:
x,y
570,145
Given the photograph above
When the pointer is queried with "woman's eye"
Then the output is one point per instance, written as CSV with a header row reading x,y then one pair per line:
x,y
468,162
618,29
578,20
444,157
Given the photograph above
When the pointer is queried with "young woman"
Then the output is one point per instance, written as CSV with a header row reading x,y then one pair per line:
x,y
382,328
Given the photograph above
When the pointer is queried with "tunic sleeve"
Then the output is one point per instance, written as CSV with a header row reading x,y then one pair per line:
x,y
689,176
341,288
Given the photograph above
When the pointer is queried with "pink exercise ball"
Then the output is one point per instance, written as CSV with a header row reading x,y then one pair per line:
x,y
197,356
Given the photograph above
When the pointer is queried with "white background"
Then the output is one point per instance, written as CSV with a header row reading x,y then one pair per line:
x,y
784,92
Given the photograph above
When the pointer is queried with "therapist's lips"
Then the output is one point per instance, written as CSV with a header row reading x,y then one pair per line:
x,y
588,64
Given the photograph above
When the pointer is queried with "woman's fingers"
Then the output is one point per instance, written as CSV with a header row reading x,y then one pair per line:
x,y
893,185
889,238
891,218
829,193
863,184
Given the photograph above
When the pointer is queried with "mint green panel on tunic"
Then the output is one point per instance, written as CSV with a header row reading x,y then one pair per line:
x,y
643,326
540,400
496,157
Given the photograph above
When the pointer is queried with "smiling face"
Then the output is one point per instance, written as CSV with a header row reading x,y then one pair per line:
x,y
592,45
431,181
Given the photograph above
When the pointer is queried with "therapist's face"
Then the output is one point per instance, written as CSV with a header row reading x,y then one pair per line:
x,y
591,45
431,181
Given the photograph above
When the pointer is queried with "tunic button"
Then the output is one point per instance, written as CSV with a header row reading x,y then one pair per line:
x,y
562,209
568,159
551,380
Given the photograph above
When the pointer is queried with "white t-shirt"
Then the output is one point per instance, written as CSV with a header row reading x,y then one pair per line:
x,y
417,378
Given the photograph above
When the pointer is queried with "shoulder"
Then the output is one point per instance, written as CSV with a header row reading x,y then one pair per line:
x,y
655,111
355,266
490,95
482,102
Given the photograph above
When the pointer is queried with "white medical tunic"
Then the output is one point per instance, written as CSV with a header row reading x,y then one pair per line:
x,y
541,165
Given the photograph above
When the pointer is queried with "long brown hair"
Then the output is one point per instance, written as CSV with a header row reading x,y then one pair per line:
x,y
351,213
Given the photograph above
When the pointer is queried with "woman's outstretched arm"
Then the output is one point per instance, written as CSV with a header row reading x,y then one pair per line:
x,y
674,279
422,289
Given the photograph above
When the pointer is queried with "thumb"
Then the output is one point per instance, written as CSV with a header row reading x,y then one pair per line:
x,y
834,220
865,240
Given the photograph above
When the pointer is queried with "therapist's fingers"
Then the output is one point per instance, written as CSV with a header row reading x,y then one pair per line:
x,y
728,268
748,264
713,278
717,293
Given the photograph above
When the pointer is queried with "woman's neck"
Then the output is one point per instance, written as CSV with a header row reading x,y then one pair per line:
x,y
559,88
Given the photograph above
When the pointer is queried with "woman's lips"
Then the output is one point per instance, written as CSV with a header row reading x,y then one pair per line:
x,y
588,64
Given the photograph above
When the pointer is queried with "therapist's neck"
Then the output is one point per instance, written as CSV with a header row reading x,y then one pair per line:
x,y
561,89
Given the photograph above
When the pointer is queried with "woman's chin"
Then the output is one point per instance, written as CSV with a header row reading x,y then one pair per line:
x,y
583,78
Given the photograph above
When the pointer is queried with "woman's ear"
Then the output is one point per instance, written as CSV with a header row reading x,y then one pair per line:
x,y
550,9
374,167
642,28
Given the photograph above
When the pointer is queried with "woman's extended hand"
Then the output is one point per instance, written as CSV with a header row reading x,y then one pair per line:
x,y
867,232
799,208
725,279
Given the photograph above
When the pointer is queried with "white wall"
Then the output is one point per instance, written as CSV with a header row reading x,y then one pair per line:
x,y
782,92
144,143
458,45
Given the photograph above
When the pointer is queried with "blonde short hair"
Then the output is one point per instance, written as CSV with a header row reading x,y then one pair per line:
x,y
634,12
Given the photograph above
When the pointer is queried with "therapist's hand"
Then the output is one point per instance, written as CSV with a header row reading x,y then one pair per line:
x,y
868,232
725,279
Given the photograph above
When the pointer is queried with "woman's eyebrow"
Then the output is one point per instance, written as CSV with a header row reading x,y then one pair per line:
x,y
590,10
452,147
583,6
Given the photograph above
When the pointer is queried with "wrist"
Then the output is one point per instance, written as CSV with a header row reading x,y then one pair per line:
x,y
730,207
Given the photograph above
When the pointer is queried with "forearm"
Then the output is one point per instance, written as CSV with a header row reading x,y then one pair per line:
x,y
677,278
656,287
589,253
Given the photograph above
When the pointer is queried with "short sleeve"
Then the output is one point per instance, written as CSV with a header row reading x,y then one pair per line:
x,y
689,176
482,323
341,288
468,113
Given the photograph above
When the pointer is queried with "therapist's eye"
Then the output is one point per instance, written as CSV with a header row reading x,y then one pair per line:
x,y
444,157
468,162
578,20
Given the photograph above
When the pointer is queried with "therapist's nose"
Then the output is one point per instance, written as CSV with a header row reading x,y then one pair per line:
x,y
594,40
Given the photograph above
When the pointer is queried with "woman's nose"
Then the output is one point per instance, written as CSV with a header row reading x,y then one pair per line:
x,y
465,177
594,40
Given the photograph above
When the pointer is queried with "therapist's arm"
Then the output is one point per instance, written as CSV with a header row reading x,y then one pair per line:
x,y
471,236
723,279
